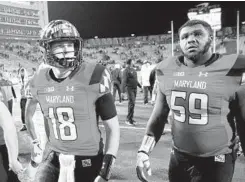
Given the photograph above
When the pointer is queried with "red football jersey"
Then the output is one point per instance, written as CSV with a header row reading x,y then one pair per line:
x,y
69,108
200,99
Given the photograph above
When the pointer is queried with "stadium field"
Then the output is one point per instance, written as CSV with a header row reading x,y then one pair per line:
x,y
124,169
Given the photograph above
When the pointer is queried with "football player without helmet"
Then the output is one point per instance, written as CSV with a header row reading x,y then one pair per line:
x,y
72,94
205,93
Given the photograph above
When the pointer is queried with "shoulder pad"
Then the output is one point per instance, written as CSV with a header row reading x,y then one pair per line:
x,y
164,64
39,76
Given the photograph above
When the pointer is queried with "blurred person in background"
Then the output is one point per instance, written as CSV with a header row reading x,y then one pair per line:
x,y
23,78
34,70
153,80
116,81
130,82
145,80
123,94
14,78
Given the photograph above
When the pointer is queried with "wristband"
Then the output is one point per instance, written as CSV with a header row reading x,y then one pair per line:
x,y
147,145
108,162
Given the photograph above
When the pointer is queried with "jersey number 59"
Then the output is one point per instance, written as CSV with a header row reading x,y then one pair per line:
x,y
65,118
194,109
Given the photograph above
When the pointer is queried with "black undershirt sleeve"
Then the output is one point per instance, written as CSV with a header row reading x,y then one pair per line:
x,y
105,107
13,92
239,112
158,118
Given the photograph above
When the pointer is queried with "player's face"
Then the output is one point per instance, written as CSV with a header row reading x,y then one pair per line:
x,y
63,50
195,41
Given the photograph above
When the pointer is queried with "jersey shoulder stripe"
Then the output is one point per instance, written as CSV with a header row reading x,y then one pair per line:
x,y
97,74
105,82
238,68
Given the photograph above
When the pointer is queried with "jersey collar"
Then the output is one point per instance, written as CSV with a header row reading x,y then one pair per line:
x,y
214,57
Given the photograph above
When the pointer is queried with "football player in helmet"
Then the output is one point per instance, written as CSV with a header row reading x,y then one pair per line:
x,y
9,150
72,95
205,93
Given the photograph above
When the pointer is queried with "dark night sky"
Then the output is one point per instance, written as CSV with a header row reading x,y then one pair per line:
x,y
115,19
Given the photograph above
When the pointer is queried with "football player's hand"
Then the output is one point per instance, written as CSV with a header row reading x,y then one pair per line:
x,y
143,168
29,173
37,153
239,150
99,179
16,167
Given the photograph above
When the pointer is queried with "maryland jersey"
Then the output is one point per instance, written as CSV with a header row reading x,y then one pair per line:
x,y
69,108
201,101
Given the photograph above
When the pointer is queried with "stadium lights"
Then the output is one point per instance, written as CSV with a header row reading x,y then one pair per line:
x,y
96,37
210,14
215,10
132,35
191,14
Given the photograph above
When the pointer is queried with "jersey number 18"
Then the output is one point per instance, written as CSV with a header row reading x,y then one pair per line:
x,y
65,118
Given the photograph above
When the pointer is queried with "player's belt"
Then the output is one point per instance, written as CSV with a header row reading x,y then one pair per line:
x,y
212,158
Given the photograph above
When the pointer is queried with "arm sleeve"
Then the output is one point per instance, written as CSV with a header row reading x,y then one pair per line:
x,y
239,112
159,116
105,107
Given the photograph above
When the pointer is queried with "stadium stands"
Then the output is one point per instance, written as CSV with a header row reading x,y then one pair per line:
x,y
109,51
